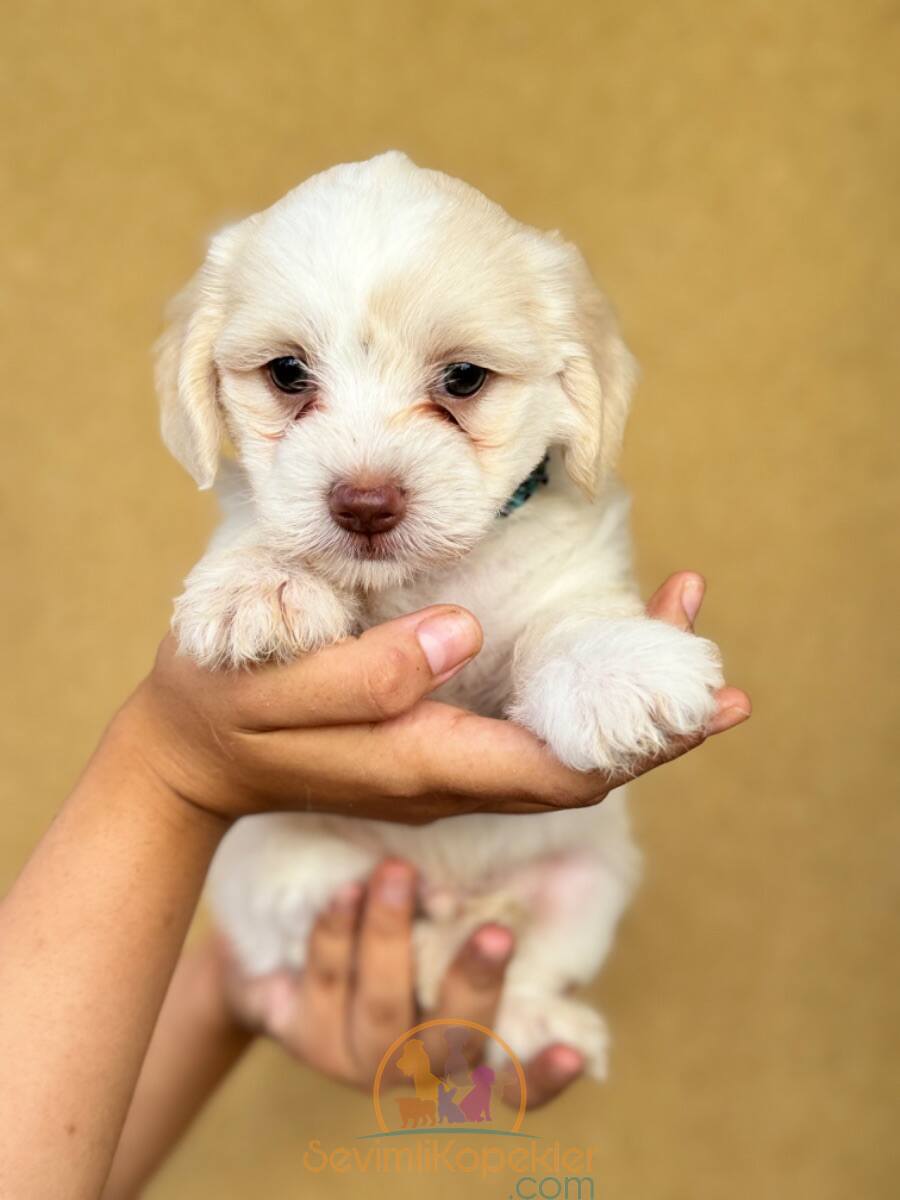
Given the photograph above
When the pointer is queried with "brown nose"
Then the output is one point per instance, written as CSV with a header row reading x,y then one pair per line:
x,y
367,509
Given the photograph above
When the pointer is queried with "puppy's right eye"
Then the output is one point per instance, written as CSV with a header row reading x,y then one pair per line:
x,y
463,379
290,374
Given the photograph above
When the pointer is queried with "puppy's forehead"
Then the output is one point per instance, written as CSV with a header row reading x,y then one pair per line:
x,y
385,245
351,225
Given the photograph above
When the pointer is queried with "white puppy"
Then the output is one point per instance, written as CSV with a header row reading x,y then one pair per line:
x,y
392,356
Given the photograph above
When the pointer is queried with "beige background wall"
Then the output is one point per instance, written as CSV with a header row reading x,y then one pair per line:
x,y
732,172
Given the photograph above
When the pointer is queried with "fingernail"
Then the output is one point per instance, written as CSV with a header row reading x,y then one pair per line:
x,y
493,943
279,1003
692,597
394,886
565,1062
727,719
346,898
448,640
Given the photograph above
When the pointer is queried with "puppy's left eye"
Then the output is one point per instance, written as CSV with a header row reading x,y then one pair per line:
x,y
463,379
290,374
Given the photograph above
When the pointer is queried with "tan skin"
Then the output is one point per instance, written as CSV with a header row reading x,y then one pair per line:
x,y
91,930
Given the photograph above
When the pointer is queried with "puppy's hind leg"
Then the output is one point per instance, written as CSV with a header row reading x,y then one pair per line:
x,y
271,877
578,899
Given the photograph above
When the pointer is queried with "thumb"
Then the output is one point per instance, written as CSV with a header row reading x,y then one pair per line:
x,y
404,660
379,675
678,601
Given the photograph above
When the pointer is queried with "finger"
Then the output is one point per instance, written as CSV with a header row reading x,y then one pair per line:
x,y
436,760
471,990
265,1001
549,1073
382,1006
371,678
317,1028
439,760
495,764
733,708
679,599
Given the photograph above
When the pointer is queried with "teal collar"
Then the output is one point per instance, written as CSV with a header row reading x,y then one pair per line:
x,y
526,489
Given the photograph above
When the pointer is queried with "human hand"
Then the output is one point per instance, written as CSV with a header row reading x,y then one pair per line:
x,y
355,995
348,730
678,602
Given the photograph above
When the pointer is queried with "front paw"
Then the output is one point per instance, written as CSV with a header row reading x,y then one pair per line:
x,y
614,693
240,608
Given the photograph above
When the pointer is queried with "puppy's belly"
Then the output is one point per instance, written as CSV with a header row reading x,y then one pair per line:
x,y
273,874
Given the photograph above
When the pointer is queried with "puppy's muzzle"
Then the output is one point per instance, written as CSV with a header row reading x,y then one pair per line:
x,y
367,510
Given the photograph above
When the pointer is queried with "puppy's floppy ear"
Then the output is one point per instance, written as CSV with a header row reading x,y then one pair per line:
x,y
186,381
598,377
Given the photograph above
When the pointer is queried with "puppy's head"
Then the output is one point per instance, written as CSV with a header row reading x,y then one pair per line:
x,y
390,355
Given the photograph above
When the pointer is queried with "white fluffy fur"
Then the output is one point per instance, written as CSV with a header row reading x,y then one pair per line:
x,y
382,273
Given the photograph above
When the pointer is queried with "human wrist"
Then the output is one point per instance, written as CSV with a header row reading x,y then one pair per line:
x,y
137,744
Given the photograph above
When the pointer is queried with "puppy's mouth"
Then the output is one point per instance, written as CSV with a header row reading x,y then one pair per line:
x,y
372,547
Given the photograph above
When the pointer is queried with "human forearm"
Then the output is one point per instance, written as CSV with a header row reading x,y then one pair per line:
x,y
107,895
196,1042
